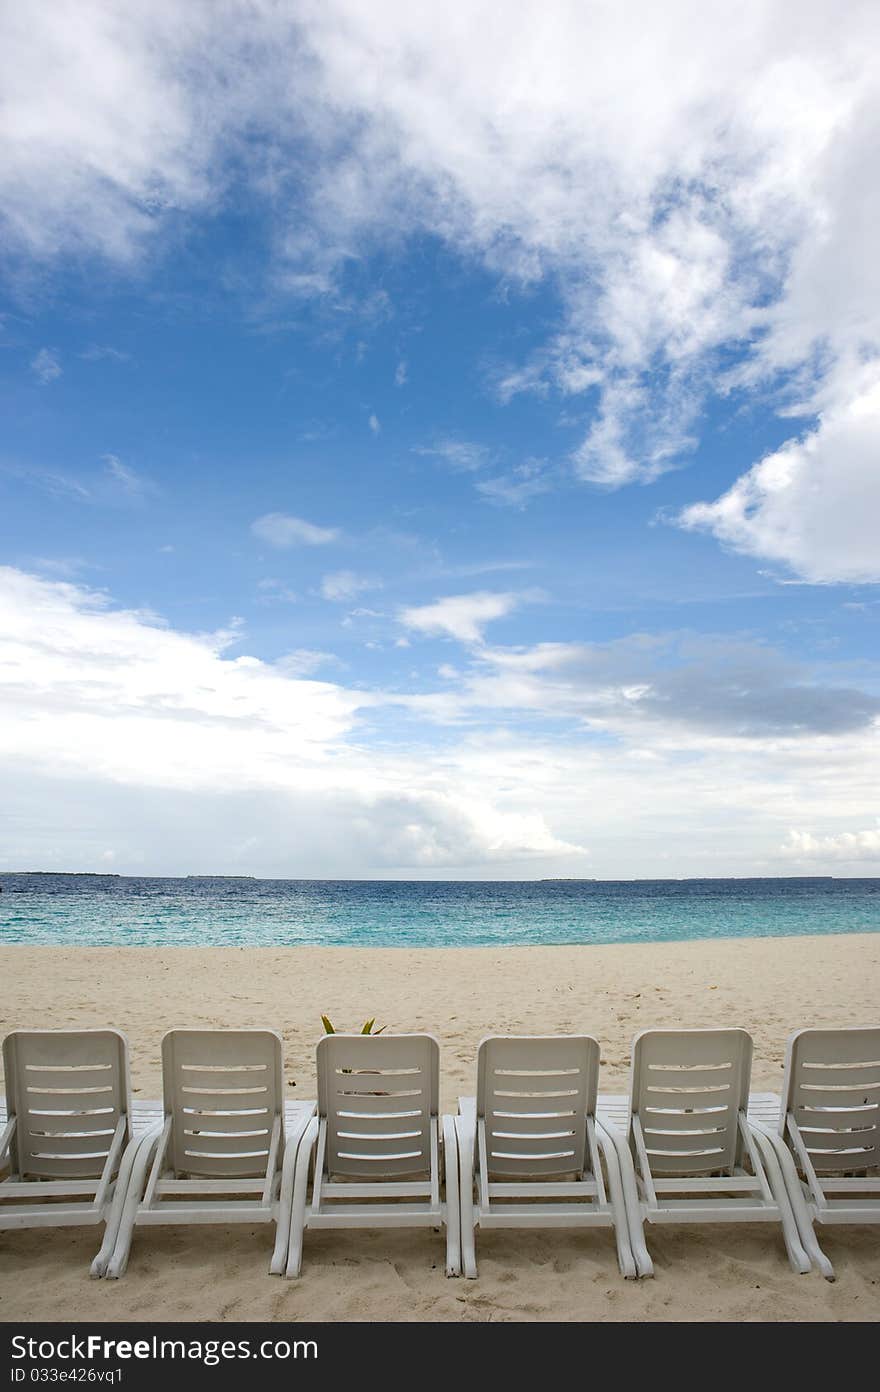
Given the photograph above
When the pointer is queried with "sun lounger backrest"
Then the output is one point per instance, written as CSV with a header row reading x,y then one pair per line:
x,y
378,1096
832,1087
223,1091
534,1095
68,1090
687,1088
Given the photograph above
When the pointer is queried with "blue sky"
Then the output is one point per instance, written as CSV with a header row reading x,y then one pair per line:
x,y
413,465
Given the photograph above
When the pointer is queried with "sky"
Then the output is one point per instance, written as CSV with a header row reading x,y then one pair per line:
x,y
440,441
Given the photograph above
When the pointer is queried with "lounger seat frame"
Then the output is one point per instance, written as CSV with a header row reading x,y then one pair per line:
x,y
68,1097
689,1153
531,1134
222,1153
377,1137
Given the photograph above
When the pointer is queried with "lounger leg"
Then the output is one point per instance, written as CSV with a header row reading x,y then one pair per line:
x,y
298,1204
119,1261
625,1258
285,1198
466,1138
453,1204
644,1265
114,1217
797,1257
799,1208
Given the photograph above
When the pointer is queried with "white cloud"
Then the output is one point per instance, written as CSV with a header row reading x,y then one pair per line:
x,y
100,352
114,118
850,846
374,424
460,616
275,591
184,752
281,530
464,455
401,375
517,488
189,757
345,585
730,205
46,367
814,504
304,662
129,480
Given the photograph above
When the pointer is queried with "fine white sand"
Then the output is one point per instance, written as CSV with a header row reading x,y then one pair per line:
x,y
769,987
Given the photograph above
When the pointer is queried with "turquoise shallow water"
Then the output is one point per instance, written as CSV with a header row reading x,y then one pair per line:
x,y
107,910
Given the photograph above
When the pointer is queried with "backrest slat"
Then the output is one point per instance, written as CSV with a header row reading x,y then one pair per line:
x,y
687,1089
534,1094
68,1090
378,1096
832,1088
223,1090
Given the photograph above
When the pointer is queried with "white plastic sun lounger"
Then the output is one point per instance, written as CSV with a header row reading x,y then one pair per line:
x,y
689,1153
828,1133
378,1147
530,1145
68,1097
220,1154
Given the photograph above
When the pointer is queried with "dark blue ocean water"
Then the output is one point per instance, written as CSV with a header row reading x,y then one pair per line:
x,y
211,912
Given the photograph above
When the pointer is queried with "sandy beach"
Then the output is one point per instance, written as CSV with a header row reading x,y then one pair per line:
x,y
768,986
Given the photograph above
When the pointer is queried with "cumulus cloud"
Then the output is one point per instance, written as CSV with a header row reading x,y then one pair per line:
x,y
812,505
460,616
160,730
844,846
193,756
281,530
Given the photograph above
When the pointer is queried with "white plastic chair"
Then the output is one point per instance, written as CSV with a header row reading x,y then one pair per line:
x,y
828,1137
532,1136
68,1097
221,1154
378,1136
690,1154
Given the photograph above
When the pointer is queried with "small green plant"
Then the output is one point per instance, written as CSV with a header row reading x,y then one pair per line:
x,y
368,1026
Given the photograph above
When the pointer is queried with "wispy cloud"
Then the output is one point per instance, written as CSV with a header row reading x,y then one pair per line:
x,y
518,487
304,662
463,455
103,352
345,585
46,367
133,484
281,530
401,375
274,591
374,424
729,219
